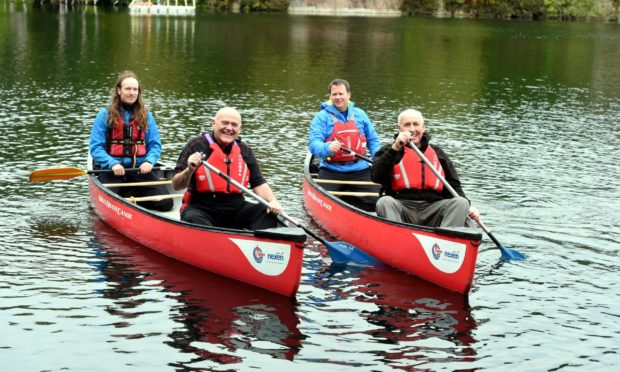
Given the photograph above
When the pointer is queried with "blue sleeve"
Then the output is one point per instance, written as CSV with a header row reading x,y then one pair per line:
x,y
320,129
97,141
153,142
373,143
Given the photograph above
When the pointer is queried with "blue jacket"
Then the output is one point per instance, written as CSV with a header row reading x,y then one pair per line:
x,y
98,141
322,127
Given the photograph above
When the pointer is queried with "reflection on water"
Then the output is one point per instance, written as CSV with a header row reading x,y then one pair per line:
x,y
211,310
53,228
411,309
416,318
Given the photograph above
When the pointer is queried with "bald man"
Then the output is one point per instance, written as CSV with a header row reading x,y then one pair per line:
x,y
414,194
210,199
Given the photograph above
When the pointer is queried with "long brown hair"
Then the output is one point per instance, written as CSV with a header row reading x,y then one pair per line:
x,y
139,108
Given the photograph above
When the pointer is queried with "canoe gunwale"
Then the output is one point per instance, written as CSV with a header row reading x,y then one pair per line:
x,y
286,234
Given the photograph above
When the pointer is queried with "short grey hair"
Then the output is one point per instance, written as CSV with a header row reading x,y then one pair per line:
x,y
410,112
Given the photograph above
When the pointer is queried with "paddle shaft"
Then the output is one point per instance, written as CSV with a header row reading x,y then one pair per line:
x,y
347,251
53,174
421,155
261,200
356,154
434,170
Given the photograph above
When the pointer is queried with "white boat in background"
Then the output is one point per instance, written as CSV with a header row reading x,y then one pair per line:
x,y
161,7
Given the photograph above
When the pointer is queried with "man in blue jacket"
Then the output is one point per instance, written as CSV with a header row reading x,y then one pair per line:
x,y
124,135
337,128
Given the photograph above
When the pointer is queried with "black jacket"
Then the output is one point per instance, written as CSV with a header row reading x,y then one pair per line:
x,y
386,158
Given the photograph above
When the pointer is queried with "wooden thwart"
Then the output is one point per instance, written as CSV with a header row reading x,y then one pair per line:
x,y
153,198
343,182
149,183
353,193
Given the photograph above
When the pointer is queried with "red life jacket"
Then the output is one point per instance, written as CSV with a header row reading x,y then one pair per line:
x,y
349,135
125,140
232,165
412,173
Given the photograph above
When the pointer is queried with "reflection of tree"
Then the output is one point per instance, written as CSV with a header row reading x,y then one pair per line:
x,y
213,309
54,229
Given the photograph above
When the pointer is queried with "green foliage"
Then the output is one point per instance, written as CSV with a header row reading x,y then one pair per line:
x,y
420,7
536,9
264,5
246,6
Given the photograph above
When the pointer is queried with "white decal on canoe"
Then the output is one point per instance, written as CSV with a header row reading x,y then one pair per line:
x,y
268,258
117,210
319,201
445,255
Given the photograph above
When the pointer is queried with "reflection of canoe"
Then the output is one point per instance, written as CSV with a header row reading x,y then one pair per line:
x,y
415,307
215,309
446,257
269,259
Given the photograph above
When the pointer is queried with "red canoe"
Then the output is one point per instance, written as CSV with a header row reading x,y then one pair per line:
x,y
270,259
446,257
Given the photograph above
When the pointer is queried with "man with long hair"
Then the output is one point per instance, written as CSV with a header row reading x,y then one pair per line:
x,y
125,135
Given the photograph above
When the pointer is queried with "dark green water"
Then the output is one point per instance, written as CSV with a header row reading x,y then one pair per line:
x,y
527,110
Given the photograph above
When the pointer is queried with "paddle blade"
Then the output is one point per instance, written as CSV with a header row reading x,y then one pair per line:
x,y
507,254
52,174
343,253
511,254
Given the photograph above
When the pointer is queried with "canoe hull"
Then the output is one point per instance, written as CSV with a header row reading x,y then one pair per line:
x,y
444,257
273,261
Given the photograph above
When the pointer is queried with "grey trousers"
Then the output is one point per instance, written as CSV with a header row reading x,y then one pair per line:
x,y
442,213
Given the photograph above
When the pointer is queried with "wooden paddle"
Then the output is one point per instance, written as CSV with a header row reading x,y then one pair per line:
x,y
340,252
53,174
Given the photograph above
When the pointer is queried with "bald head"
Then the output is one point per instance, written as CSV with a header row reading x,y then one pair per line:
x,y
228,111
226,126
410,115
